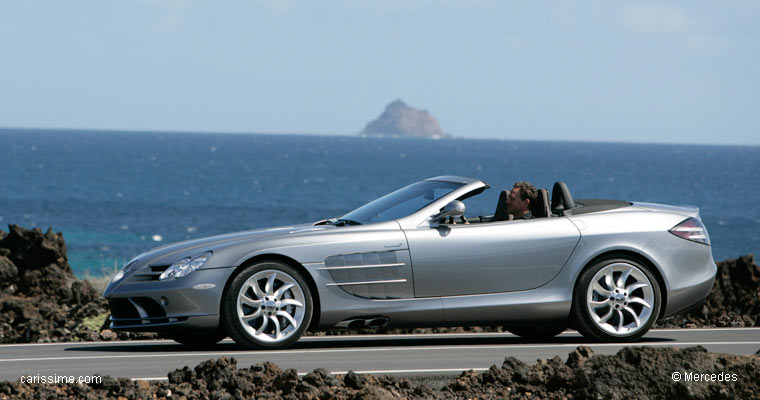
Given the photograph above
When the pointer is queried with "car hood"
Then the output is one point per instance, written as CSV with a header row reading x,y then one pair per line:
x,y
170,253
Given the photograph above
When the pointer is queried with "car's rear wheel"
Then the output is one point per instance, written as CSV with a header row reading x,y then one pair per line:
x,y
538,332
616,300
268,305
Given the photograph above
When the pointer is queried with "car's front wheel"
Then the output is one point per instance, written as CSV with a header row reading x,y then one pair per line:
x,y
267,305
616,300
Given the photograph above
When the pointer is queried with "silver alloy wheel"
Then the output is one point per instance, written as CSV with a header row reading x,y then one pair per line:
x,y
271,306
620,298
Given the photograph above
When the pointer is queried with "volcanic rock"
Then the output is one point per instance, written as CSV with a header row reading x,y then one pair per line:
x,y
8,271
354,381
40,299
398,119
734,300
31,249
632,373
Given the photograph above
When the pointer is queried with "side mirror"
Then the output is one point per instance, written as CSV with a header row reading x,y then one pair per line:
x,y
454,209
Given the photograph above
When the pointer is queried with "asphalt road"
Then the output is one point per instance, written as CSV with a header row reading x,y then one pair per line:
x,y
407,355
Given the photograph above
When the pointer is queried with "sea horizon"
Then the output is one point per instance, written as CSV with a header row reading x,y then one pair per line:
x,y
359,135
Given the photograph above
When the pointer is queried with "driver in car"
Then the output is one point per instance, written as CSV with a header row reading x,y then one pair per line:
x,y
519,199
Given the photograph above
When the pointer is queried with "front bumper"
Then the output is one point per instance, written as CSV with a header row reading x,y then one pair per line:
x,y
192,301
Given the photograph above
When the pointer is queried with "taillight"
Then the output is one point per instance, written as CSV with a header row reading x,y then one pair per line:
x,y
691,229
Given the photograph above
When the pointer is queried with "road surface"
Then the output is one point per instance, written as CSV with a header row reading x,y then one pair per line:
x,y
404,355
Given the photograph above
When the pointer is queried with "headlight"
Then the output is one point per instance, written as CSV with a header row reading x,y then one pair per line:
x,y
124,270
184,266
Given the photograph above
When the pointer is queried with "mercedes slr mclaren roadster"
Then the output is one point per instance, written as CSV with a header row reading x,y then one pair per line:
x,y
607,268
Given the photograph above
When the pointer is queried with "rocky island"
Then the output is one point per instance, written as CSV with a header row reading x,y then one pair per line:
x,y
400,120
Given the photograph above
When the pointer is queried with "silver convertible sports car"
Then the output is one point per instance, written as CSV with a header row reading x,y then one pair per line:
x,y
607,268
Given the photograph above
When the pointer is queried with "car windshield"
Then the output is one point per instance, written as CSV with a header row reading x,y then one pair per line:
x,y
402,202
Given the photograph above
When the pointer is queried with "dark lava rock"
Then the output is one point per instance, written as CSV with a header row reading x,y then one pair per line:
x,y
734,300
398,119
8,272
40,299
31,249
320,377
632,373
354,380
647,372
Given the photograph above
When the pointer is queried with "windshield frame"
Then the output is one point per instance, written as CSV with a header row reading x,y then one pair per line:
x,y
421,218
398,197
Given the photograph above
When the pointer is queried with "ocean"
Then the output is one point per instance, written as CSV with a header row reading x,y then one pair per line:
x,y
117,194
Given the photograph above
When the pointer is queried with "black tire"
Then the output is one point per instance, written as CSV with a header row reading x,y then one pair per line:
x,y
538,332
596,313
197,339
269,308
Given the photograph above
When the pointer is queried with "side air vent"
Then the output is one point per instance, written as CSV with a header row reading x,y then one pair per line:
x,y
376,275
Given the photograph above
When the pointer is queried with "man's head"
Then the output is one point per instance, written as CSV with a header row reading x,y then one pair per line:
x,y
522,195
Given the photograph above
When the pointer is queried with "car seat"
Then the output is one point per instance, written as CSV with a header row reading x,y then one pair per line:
x,y
501,208
540,208
562,200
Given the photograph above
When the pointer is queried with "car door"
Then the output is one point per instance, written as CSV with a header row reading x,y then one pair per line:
x,y
495,257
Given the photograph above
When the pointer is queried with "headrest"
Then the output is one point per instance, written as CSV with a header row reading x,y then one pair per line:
x,y
562,200
540,208
501,208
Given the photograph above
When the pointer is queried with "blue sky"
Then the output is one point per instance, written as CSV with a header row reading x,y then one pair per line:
x,y
679,72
